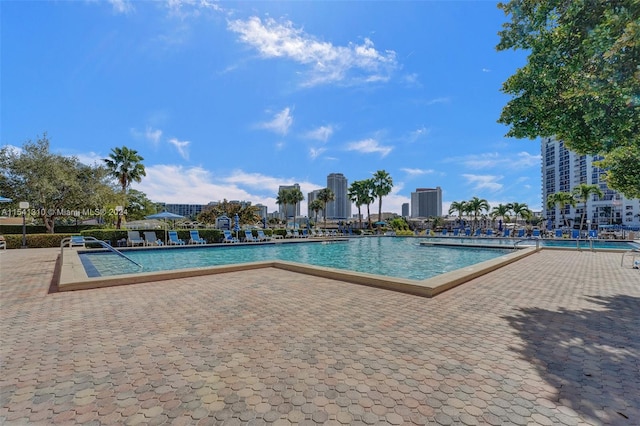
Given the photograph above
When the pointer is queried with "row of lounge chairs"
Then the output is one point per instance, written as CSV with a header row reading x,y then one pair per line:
x,y
519,233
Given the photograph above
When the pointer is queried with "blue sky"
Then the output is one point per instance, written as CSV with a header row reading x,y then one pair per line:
x,y
232,99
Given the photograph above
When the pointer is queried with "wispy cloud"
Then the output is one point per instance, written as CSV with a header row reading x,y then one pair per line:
x,y
369,146
440,100
354,63
153,135
417,172
315,152
121,6
417,134
493,160
281,122
486,70
484,182
190,8
322,133
181,146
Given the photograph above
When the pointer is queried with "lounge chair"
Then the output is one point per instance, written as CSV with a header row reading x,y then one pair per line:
x,y
195,237
535,233
290,234
305,234
228,237
489,233
559,233
248,236
456,232
478,232
174,240
3,243
262,236
593,234
520,233
575,234
444,232
150,239
133,239
506,233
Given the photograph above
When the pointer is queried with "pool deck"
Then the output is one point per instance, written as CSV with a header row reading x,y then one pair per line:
x,y
553,338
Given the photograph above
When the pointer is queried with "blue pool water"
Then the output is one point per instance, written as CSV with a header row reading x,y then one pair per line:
x,y
388,256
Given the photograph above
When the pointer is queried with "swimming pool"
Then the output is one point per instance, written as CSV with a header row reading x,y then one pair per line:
x,y
386,256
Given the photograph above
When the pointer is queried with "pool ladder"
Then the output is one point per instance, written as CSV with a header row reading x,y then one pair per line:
x,y
515,245
99,242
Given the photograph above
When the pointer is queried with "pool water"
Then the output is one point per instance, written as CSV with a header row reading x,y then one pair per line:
x,y
388,256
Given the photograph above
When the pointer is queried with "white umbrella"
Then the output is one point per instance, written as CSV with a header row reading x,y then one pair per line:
x,y
165,215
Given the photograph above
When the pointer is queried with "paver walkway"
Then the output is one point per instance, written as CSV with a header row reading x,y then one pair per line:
x,y
551,339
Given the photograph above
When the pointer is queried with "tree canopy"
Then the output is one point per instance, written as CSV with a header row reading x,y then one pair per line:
x,y
581,83
54,185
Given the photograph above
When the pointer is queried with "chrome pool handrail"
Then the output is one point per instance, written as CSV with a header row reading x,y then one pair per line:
x,y
101,243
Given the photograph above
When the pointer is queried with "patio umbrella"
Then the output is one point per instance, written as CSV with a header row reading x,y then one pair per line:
x,y
165,215
5,199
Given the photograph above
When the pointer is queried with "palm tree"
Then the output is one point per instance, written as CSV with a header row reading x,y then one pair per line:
x,y
502,210
582,193
295,196
458,206
315,206
382,184
359,194
368,198
282,199
476,206
520,210
125,165
326,195
561,199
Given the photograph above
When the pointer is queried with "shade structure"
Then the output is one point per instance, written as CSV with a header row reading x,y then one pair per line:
x,y
165,215
5,199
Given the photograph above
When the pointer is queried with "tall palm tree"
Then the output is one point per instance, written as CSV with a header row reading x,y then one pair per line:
x,y
520,209
126,166
502,210
382,185
359,194
295,197
561,199
582,193
458,206
326,195
368,198
282,199
315,206
476,206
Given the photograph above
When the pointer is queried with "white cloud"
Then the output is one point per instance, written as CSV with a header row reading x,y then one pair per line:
x,y
322,133
190,8
486,70
441,100
493,159
315,152
417,134
417,172
281,122
121,6
327,63
181,146
368,146
91,158
153,135
177,184
484,182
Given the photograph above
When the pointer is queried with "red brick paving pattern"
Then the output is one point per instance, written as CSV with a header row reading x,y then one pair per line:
x,y
552,339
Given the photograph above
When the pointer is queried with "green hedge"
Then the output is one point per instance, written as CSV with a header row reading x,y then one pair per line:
x,y
41,229
112,236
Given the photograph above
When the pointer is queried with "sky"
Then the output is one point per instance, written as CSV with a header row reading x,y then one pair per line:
x,y
230,100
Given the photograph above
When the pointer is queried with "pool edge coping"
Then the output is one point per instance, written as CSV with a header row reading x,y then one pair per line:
x,y
72,275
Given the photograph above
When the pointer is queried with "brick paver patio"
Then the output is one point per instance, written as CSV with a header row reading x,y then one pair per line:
x,y
551,339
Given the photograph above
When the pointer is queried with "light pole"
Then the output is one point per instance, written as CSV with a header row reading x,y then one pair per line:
x,y
24,205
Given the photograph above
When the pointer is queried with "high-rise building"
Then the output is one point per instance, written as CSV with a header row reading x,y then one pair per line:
x,y
405,209
292,210
340,208
563,170
426,202
311,196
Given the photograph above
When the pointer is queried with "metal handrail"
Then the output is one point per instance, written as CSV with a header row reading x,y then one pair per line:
x,y
100,242
634,252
